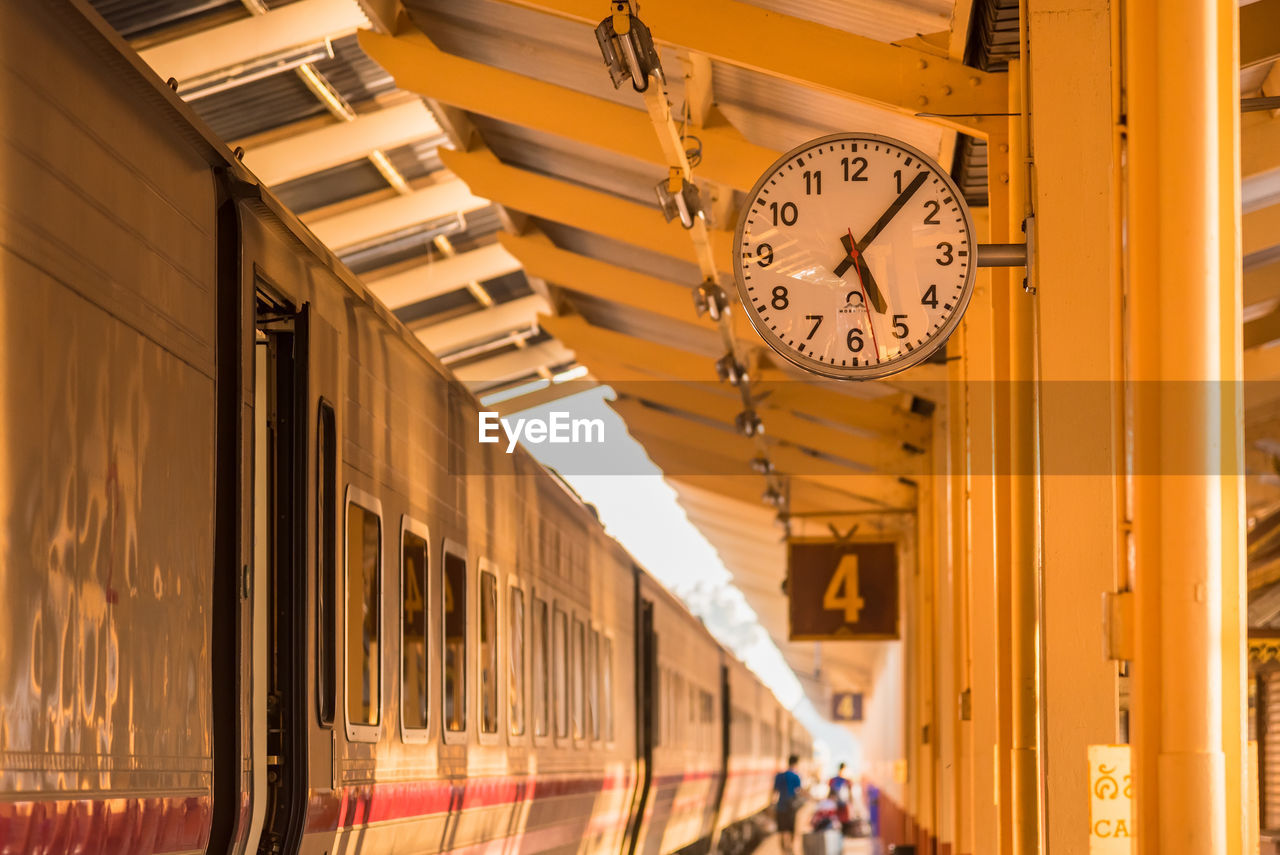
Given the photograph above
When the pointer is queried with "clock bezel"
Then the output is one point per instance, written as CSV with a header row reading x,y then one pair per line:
x,y
869,372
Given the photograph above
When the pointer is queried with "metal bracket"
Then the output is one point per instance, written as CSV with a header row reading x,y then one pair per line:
x,y
1012,254
1118,631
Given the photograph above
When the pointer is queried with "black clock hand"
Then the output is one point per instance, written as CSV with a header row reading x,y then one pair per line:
x,y
892,210
853,258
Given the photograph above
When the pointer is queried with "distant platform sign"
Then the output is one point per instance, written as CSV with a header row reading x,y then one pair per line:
x,y
846,706
842,590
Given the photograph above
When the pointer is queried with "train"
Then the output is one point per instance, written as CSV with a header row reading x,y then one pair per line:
x,y
261,589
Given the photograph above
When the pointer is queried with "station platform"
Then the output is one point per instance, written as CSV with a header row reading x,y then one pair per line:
x,y
770,845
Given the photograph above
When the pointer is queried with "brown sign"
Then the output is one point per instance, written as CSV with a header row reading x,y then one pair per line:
x,y
842,590
846,706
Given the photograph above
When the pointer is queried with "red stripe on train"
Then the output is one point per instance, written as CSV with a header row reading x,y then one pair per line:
x,y
384,802
121,826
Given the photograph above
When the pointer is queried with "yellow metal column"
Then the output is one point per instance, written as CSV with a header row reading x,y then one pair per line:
x,y
982,545
1077,277
1241,824
1016,317
945,652
1185,544
961,670
925,735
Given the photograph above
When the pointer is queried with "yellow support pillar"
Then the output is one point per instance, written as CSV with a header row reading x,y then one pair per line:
x,y
926,729
983,543
1077,275
945,652
1186,540
1242,825
1018,518
962,680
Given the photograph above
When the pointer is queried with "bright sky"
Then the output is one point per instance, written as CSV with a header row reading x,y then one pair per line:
x,y
640,510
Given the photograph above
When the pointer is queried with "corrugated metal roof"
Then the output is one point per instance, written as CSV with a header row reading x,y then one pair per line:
x,y
780,114
570,160
549,48
262,105
884,20
319,189
135,18
622,254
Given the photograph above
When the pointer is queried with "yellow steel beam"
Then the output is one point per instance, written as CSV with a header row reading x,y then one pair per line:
x,y
546,395
513,365
664,362
890,452
1259,32
1261,228
878,455
789,460
1259,143
419,66
313,150
607,281
577,206
239,42
899,78
1263,330
804,498
883,455
1261,287
402,286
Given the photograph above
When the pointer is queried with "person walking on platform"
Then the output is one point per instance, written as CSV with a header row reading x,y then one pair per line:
x,y
787,786
839,789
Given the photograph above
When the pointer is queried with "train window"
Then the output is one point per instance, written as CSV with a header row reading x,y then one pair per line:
x,y
364,559
708,717
515,665
326,558
593,685
606,683
541,683
455,642
579,639
560,670
488,653
413,644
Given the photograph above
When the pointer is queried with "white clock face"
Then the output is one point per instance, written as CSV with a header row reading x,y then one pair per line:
x,y
855,256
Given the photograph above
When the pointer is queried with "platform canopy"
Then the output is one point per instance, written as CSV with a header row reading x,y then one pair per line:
x,y
474,163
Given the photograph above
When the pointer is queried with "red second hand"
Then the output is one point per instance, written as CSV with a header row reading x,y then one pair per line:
x,y
866,304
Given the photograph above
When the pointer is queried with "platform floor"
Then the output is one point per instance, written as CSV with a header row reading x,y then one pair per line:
x,y
852,846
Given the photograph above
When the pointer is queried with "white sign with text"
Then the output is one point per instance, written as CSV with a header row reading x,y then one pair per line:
x,y
1110,801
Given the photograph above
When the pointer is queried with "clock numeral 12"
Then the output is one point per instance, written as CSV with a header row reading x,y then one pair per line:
x,y
856,174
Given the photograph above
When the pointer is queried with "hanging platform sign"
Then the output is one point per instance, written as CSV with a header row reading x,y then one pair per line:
x,y
842,590
846,706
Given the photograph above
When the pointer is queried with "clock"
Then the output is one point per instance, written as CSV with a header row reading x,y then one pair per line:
x,y
855,256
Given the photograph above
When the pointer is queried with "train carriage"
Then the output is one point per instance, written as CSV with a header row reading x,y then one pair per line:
x,y
262,589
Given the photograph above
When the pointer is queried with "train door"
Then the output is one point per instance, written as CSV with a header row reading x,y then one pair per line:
x,y
279,707
725,720
646,714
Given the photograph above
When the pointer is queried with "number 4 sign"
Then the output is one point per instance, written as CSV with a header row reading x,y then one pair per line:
x,y
842,589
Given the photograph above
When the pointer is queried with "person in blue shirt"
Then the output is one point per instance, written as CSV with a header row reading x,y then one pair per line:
x,y
787,786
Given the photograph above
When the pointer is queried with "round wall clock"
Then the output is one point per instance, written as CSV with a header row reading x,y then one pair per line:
x,y
855,256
